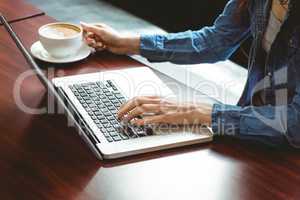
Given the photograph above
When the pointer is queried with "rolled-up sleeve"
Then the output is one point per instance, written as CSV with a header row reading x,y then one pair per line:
x,y
209,44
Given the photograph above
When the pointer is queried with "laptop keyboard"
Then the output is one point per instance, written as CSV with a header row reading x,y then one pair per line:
x,y
101,100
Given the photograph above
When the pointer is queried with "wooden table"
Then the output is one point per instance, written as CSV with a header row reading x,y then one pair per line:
x,y
42,158
16,10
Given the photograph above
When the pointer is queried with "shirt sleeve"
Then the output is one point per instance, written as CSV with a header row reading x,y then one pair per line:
x,y
273,125
209,44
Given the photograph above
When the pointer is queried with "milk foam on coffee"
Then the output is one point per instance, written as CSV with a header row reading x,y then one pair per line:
x,y
60,31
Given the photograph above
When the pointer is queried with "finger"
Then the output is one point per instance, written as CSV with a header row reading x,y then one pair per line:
x,y
84,25
157,119
91,42
99,48
137,101
91,28
102,25
99,45
90,35
169,118
142,110
155,98
125,108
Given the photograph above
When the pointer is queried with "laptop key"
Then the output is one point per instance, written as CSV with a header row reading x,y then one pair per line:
x,y
104,110
122,100
97,102
111,118
100,117
112,134
109,139
97,113
82,101
108,104
124,137
86,98
93,109
104,121
111,97
117,127
89,101
84,105
111,108
115,101
107,114
100,84
97,121
119,96
117,138
93,106
110,130
83,94
106,134
107,126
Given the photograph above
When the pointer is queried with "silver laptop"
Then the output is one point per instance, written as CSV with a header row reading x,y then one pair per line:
x,y
95,99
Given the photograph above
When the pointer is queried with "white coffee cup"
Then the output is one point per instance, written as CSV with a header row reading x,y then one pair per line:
x,y
61,39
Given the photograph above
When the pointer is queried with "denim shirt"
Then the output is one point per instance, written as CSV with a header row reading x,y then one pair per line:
x,y
277,121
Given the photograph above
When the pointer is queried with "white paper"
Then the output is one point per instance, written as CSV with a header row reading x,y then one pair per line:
x,y
223,81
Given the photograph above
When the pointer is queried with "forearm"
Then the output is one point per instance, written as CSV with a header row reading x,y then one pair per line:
x,y
202,114
207,45
179,48
131,44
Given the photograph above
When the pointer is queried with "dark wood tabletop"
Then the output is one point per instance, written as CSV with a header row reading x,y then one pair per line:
x,y
16,10
41,157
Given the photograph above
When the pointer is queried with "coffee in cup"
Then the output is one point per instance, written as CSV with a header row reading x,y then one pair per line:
x,y
61,39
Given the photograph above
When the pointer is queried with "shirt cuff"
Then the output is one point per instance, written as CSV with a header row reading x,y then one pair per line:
x,y
151,47
225,119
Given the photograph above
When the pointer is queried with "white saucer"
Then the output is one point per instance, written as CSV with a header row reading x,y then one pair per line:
x,y
38,51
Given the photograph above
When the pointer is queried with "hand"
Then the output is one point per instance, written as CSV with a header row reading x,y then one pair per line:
x,y
103,37
156,110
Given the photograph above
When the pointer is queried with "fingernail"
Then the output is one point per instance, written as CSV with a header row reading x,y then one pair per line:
x,y
83,23
91,40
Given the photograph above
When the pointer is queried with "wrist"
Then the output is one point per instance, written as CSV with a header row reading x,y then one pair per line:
x,y
205,112
207,116
131,44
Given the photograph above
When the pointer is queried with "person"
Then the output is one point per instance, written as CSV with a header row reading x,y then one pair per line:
x,y
269,108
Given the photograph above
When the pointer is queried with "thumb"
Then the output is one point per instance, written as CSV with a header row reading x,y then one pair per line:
x,y
91,28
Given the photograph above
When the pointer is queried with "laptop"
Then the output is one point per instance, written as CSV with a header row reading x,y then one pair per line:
x,y
91,102
96,98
